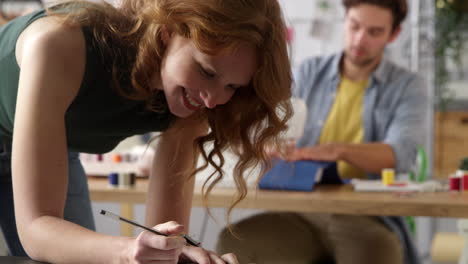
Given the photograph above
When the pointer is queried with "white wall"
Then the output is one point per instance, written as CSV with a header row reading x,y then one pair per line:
x,y
317,31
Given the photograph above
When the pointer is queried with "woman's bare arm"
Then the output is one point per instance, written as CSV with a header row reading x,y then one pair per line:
x,y
52,61
168,182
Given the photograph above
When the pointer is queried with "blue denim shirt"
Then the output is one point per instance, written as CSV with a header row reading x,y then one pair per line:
x,y
395,105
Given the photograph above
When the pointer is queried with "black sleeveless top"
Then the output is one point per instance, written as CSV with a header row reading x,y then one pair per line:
x,y
98,118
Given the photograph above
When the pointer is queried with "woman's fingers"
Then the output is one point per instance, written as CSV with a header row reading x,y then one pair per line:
x,y
202,256
169,228
196,254
153,248
161,242
230,258
215,259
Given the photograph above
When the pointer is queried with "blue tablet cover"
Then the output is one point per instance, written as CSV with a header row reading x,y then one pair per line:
x,y
299,175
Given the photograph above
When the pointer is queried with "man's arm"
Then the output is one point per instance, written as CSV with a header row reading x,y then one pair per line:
x,y
369,157
409,127
397,148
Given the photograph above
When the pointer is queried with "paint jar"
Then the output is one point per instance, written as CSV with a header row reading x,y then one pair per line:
x,y
388,176
455,183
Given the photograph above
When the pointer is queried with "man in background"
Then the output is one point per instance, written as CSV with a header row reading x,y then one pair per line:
x,y
365,113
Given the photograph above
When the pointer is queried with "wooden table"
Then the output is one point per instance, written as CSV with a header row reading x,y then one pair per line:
x,y
325,199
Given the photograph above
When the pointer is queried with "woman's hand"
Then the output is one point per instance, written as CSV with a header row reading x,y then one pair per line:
x,y
199,255
151,248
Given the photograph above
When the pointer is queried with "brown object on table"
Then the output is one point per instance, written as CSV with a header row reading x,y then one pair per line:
x,y
450,141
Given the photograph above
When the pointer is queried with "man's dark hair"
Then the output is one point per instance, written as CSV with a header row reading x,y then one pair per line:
x,y
399,8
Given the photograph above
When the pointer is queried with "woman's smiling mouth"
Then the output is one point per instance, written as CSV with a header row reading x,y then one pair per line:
x,y
189,102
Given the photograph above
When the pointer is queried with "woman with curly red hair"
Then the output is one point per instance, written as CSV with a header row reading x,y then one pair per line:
x,y
82,76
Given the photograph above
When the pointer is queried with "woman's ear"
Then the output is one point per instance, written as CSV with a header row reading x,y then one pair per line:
x,y
166,35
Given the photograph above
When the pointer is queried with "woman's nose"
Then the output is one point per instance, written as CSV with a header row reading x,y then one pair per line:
x,y
209,97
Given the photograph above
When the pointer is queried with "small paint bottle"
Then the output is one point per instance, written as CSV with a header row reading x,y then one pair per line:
x,y
388,176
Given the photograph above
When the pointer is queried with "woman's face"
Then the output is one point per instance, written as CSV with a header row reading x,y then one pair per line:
x,y
192,80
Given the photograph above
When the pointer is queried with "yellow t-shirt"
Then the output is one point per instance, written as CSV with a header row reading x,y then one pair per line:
x,y
344,123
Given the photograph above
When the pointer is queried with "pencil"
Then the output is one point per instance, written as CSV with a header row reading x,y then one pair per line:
x,y
189,240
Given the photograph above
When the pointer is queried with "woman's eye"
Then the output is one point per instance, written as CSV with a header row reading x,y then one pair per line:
x,y
206,73
233,87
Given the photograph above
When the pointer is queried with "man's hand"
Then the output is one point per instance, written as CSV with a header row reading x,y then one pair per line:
x,y
325,152
283,150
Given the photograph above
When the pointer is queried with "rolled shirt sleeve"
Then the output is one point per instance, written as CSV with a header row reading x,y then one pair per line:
x,y
408,128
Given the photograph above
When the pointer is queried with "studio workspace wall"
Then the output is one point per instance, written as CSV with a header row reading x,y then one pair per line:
x,y
316,30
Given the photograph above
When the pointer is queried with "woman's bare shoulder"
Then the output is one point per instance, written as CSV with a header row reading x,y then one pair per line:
x,y
51,56
51,34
